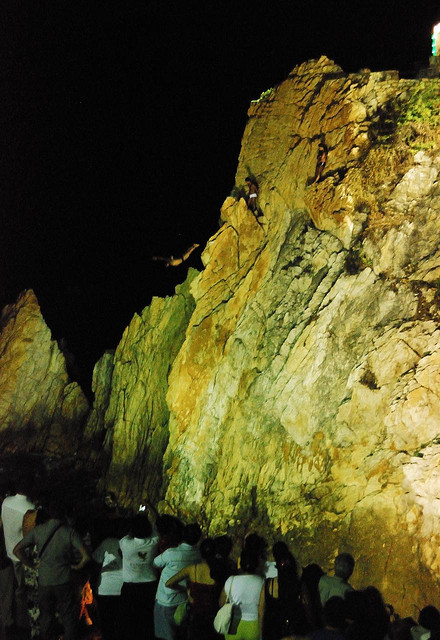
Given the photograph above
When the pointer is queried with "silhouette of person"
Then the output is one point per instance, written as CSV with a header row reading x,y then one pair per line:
x,y
174,262
251,199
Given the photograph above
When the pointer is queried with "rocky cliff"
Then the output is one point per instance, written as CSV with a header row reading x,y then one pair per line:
x,y
305,400
127,431
41,409
293,386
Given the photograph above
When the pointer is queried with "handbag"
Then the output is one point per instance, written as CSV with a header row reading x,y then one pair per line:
x,y
181,613
222,620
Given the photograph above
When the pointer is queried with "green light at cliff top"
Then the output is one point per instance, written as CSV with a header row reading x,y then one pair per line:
x,y
435,36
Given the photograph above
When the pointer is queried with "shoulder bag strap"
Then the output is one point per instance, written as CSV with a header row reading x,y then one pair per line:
x,y
43,548
229,598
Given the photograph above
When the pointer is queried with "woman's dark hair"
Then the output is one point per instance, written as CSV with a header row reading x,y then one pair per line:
x,y
355,602
366,610
140,526
192,533
216,564
223,546
334,613
283,556
249,560
288,580
429,617
256,544
207,549
310,578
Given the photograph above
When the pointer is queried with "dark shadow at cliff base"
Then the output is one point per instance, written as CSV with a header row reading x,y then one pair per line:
x,y
134,485
59,478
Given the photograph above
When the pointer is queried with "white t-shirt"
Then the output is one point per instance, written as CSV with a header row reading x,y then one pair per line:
x,y
171,562
245,592
137,558
13,510
109,556
270,570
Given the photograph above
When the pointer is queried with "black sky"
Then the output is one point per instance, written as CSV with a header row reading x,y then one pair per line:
x,y
120,130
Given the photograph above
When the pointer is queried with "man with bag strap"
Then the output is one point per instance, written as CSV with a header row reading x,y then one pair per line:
x,y
55,543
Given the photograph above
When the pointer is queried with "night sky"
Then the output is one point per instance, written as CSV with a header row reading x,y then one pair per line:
x,y
120,131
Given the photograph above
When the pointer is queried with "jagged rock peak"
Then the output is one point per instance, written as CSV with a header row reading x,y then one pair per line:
x,y
41,410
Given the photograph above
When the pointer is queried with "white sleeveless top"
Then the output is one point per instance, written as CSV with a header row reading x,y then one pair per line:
x,y
245,592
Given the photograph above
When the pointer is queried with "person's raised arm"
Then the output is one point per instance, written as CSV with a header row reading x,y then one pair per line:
x,y
173,583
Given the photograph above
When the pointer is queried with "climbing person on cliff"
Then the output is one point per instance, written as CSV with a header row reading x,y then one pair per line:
x,y
174,262
321,159
251,199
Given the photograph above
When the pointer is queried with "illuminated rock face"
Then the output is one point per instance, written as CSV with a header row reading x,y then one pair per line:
x,y
305,400
293,386
41,410
129,421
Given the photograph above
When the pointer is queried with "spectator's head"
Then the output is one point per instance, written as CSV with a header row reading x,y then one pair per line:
x,y
208,548
401,630
356,605
256,544
344,565
280,550
170,529
110,500
192,534
42,516
311,575
123,527
24,484
110,528
429,617
249,561
55,510
140,526
223,546
376,614
335,613
285,562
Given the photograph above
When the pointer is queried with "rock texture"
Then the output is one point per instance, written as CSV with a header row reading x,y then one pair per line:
x,y
41,410
293,386
129,421
305,400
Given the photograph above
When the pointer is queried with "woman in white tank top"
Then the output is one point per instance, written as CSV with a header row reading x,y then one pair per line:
x,y
246,591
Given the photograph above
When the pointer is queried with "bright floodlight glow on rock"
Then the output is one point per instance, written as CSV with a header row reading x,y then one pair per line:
x,y
436,40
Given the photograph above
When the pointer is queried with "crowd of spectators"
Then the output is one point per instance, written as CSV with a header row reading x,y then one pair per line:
x,y
151,576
